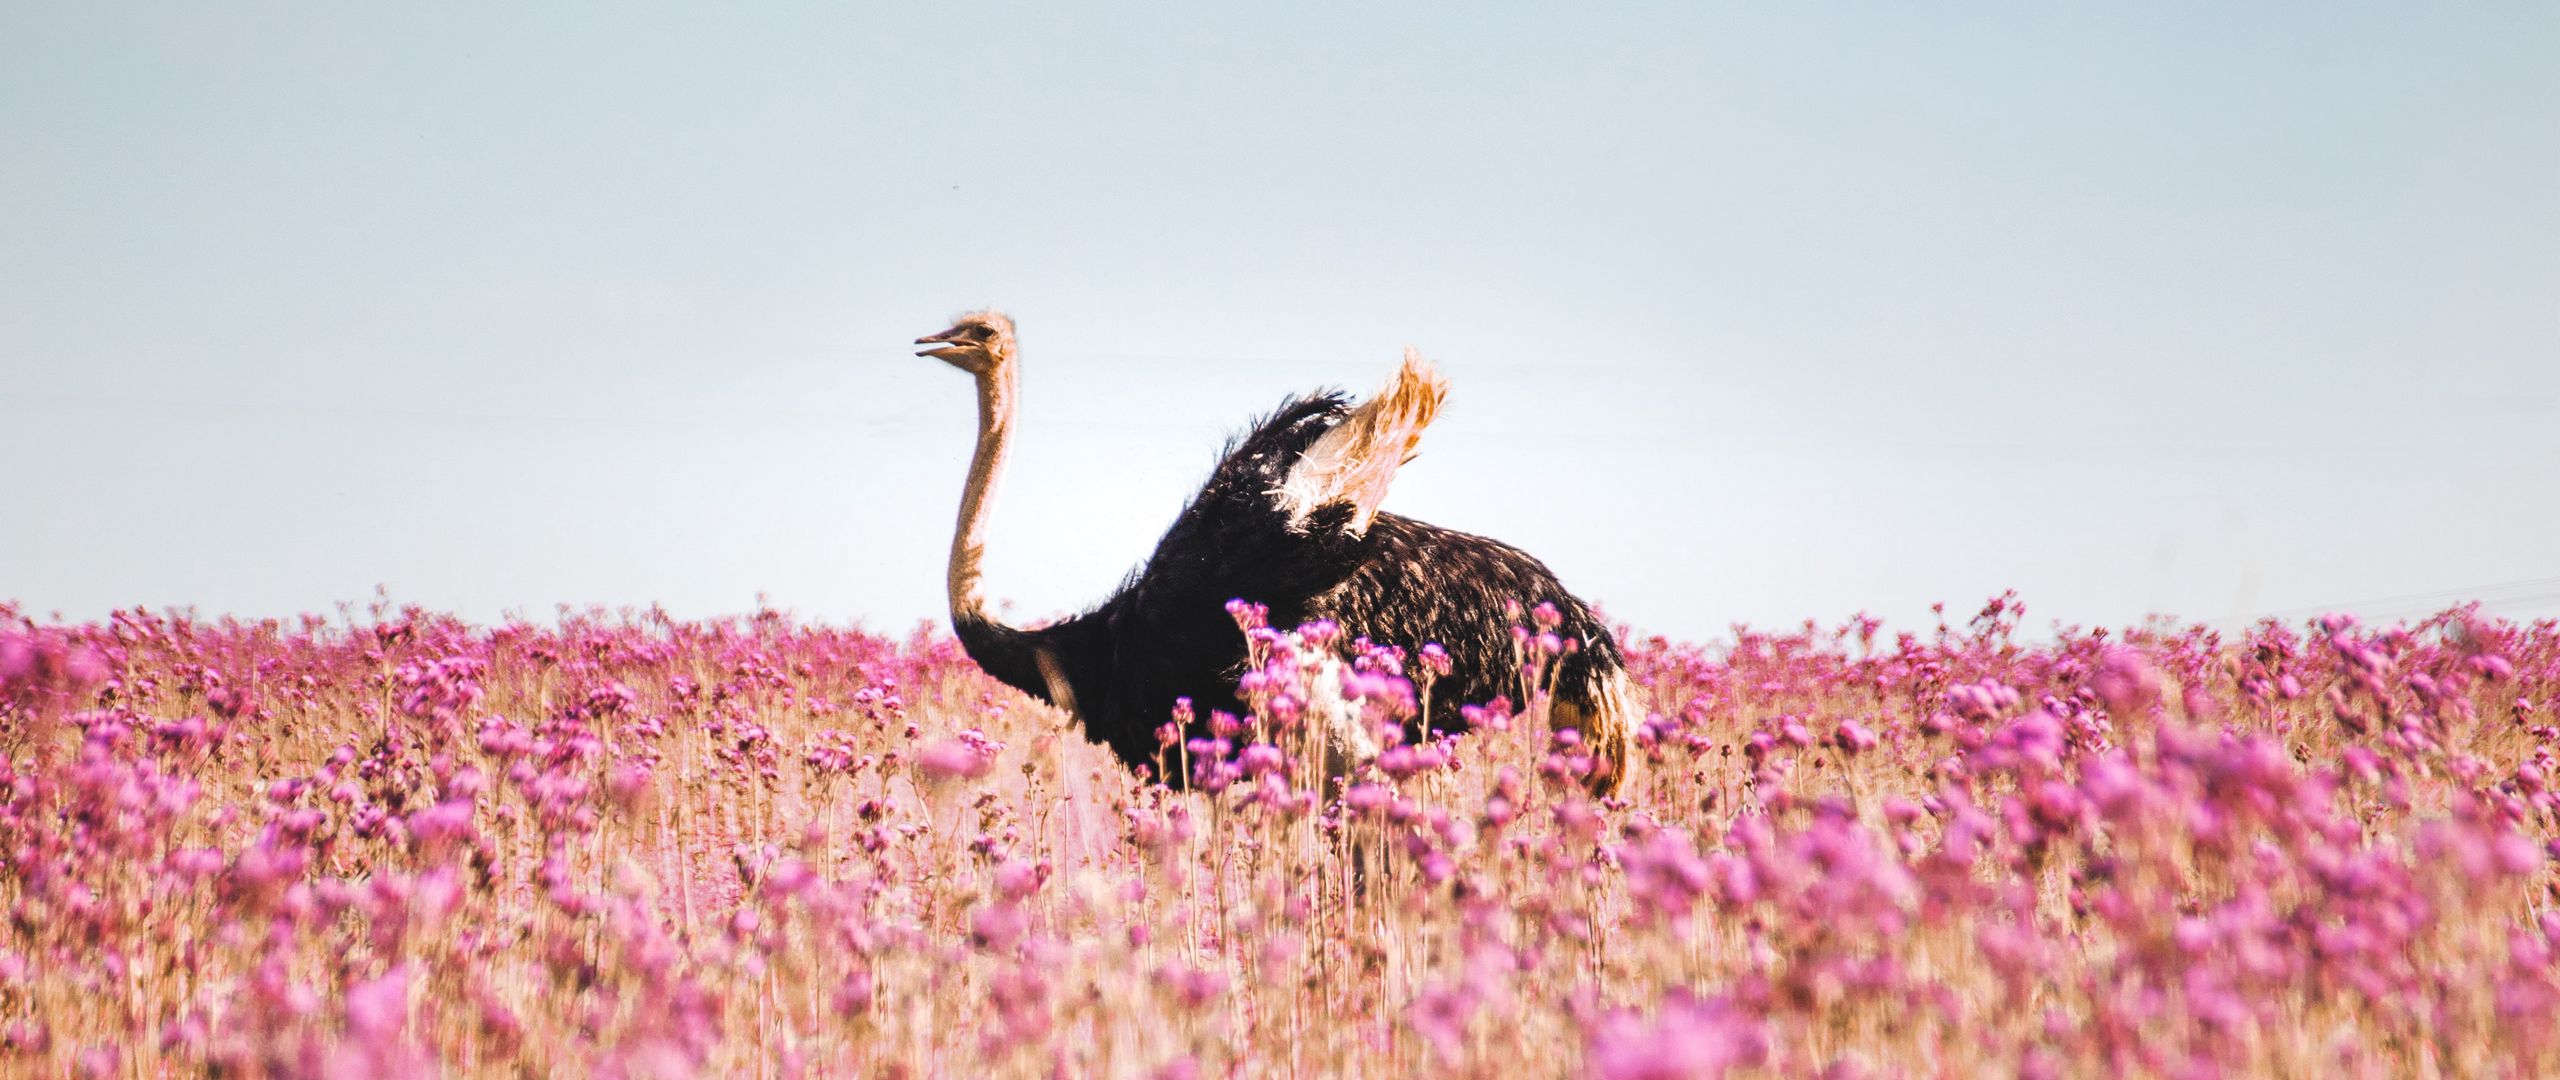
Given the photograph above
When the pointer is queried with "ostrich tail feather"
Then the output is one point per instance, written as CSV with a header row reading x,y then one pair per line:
x,y
1356,461
1605,713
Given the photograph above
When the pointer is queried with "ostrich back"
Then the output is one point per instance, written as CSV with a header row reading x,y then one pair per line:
x,y
1415,582
1166,634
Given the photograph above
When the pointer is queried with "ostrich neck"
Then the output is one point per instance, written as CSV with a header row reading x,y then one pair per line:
x,y
977,500
1017,658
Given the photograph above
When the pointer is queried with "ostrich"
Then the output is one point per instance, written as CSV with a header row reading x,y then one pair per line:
x,y
1288,519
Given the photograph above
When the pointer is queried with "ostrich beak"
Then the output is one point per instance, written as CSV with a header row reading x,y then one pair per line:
x,y
948,350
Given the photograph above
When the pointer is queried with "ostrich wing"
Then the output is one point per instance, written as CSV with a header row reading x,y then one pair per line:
x,y
1355,461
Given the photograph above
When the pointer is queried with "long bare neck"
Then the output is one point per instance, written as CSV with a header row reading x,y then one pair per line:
x,y
977,500
1013,656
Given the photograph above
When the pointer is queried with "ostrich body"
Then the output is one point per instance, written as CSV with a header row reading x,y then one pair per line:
x,y
1288,519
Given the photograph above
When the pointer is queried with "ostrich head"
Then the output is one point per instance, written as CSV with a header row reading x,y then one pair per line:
x,y
980,343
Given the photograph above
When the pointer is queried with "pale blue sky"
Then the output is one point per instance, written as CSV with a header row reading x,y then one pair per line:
x,y
1751,313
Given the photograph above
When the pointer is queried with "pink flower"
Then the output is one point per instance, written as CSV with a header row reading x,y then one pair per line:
x,y
1017,880
953,759
1686,1039
378,1009
1365,798
1853,738
17,658
2125,681
999,925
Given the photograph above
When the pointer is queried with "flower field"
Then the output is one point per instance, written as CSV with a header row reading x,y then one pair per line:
x,y
394,844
